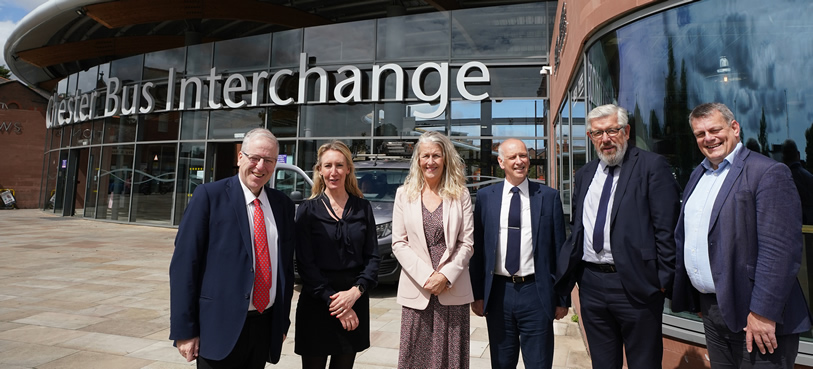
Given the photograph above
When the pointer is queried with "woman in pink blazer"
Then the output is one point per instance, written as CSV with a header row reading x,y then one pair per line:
x,y
432,236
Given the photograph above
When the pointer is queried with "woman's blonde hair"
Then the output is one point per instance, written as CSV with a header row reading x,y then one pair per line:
x,y
452,182
351,185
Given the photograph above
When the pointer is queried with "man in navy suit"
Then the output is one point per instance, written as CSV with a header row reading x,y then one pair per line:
x,y
231,276
513,265
621,249
739,247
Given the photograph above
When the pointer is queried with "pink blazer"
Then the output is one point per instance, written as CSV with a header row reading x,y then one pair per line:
x,y
409,247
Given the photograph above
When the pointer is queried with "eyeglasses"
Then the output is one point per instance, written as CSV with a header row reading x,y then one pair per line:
x,y
254,159
612,132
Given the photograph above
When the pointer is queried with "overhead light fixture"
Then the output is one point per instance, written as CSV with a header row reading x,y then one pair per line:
x,y
81,12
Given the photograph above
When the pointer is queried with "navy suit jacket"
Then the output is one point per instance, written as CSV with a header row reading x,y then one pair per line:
x,y
642,221
211,273
755,246
548,235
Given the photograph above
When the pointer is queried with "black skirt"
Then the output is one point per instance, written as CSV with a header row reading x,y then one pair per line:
x,y
318,333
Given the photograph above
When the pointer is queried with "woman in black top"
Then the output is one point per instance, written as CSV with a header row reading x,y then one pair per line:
x,y
337,259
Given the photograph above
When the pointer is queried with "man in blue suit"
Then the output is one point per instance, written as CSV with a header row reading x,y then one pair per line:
x,y
621,248
518,231
231,276
739,247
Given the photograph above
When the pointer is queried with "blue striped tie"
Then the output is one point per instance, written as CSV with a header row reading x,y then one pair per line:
x,y
598,230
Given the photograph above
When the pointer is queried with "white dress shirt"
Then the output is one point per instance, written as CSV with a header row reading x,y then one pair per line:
x,y
271,235
526,253
591,202
696,219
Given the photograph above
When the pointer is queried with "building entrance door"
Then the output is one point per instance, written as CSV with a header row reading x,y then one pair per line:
x,y
75,180
221,160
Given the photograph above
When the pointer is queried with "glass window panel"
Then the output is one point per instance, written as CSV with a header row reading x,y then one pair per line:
x,y
193,125
506,31
157,64
283,120
88,80
198,59
424,124
104,74
242,53
72,82
62,86
505,82
122,129
518,118
153,183
92,182
414,37
343,42
395,147
234,123
116,176
127,70
391,120
81,133
337,120
52,170
98,129
190,175
466,119
285,48
159,127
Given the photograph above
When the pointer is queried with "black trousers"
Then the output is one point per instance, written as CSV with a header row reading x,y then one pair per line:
x,y
614,323
727,349
251,349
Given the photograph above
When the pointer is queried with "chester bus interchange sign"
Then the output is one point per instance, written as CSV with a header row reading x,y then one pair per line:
x,y
138,98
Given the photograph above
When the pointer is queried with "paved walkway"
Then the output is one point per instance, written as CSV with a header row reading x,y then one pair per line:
x,y
85,294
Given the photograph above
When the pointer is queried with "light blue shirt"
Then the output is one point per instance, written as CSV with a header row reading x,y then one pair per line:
x,y
696,222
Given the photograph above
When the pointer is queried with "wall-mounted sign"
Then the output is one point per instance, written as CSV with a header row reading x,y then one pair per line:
x,y
138,98
562,37
11,127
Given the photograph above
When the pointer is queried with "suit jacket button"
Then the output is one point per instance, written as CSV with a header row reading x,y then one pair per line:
x,y
247,296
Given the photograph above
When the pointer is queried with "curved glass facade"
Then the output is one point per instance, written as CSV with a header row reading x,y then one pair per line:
x,y
177,116
752,55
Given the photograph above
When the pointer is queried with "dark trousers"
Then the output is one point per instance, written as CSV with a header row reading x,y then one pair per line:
x,y
251,349
727,349
515,320
614,323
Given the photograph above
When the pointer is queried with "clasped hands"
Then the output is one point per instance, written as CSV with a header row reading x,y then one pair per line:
x,y
341,306
436,284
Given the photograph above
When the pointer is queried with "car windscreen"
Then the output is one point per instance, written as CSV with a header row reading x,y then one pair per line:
x,y
380,184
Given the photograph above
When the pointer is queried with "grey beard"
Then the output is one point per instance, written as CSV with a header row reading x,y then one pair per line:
x,y
615,159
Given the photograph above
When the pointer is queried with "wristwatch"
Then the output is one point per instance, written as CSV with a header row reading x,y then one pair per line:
x,y
361,288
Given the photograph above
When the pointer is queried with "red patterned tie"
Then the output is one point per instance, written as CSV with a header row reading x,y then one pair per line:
x,y
262,265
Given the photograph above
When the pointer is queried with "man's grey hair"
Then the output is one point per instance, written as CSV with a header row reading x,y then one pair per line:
x,y
258,133
605,111
707,109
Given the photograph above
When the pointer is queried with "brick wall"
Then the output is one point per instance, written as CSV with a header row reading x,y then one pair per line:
x,y
22,141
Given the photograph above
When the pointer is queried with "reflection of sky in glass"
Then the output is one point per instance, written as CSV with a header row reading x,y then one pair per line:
x,y
765,43
518,109
341,42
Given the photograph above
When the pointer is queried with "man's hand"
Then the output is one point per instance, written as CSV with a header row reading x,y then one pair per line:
x,y
188,348
477,307
561,311
343,301
436,283
762,331
349,319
